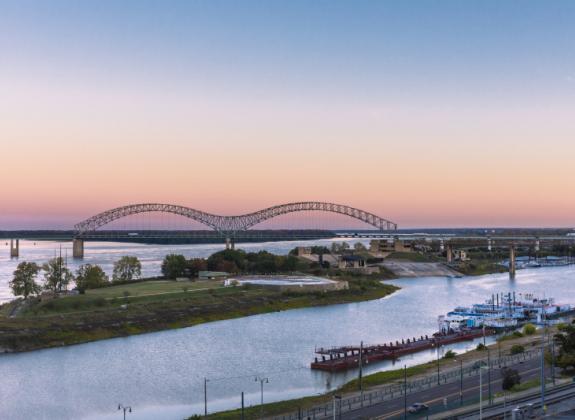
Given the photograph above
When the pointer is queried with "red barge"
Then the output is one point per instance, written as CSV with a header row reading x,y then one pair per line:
x,y
347,357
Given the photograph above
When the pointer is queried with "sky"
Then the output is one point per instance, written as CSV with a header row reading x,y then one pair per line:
x,y
427,113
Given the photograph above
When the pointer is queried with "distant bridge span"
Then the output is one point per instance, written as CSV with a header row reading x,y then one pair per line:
x,y
229,225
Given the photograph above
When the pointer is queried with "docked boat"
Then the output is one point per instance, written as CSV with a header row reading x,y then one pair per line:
x,y
348,357
501,312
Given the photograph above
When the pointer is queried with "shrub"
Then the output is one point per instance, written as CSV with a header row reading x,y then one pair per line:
x,y
510,378
450,354
481,347
517,334
529,329
517,349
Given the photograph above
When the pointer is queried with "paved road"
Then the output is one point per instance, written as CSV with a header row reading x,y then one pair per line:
x,y
528,370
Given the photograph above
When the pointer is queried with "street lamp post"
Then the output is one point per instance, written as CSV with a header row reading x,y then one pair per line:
x,y
262,381
460,381
438,381
481,392
489,374
405,391
125,409
206,380
361,372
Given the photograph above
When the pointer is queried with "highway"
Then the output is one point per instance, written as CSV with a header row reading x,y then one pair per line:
x,y
434,397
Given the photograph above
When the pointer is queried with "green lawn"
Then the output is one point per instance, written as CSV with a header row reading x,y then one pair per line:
x,y
152,287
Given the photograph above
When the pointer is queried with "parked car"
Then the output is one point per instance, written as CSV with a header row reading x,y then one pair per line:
x,y
417,408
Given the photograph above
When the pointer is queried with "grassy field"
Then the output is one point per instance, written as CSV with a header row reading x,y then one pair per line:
x,y
152,287
157,305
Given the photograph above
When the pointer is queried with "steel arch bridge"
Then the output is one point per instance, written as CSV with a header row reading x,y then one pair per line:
x,y
229,226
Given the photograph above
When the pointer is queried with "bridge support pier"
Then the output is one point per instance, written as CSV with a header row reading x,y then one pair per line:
x,y
230,244
449,253
14,248
512,262
78,248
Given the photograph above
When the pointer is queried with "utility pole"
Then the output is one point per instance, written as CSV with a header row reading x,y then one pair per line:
x,y
543,373
205,396
553,361
438,381
361,372
405,391
480,393
543,358
460,381
361,366
489,373
243,405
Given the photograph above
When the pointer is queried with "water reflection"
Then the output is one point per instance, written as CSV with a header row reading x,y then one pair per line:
x,y
161,374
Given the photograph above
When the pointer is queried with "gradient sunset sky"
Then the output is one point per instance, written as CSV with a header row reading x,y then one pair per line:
x,y
428,113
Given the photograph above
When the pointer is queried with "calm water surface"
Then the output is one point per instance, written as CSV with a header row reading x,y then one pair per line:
x,y
161,374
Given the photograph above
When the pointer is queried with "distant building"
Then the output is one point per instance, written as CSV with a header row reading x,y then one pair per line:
x,y
303,250
212,275
351,261
382,246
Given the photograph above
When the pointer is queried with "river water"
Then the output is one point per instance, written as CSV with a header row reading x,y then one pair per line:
x,y
161,374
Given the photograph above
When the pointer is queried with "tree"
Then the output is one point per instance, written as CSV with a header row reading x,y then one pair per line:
x,y
510,378
229,260
565,340
126,269
195,265
529,329
338,248
174,266
56,274
24,281
517,349
90,276
359,247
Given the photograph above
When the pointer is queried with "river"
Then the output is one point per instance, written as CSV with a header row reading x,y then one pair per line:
x,y
161,375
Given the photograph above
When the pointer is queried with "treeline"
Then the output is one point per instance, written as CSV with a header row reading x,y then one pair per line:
x,y
231,261
57,276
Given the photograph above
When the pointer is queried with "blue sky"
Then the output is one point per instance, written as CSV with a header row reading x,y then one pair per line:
x,y
433,104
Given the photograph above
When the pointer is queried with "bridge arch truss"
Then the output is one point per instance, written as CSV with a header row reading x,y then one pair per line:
x,y
230,225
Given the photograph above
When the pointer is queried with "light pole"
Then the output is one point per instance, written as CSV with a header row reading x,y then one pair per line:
x,y
262,381
338,399
481,392
460,381
361,372
438,381
124,408
489,373
206,380
405,391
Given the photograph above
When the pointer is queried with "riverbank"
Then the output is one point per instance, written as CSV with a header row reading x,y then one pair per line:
x,y
154,305
506,345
